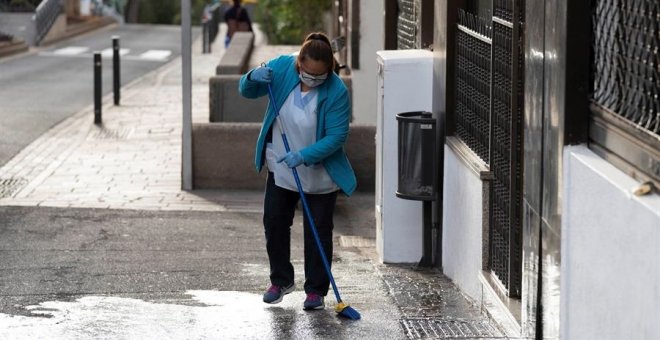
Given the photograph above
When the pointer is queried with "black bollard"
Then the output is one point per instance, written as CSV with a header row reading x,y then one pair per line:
x,y
116,79
97,88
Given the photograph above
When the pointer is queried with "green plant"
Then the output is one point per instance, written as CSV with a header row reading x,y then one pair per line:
x,y
289,21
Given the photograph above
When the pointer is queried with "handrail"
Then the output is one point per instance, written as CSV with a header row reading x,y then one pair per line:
x,y
44,17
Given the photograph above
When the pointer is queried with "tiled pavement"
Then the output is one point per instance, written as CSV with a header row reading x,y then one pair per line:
x,y
131,161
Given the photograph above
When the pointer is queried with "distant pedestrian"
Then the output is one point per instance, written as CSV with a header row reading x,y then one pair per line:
x,y
315,112
237,20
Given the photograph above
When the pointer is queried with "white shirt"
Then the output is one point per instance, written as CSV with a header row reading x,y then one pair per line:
x,y
298,116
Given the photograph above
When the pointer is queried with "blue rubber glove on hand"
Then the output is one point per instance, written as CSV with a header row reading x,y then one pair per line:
x,y
262,74
292,159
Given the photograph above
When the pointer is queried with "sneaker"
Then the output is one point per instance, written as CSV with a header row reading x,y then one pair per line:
x,y
275,293
313,301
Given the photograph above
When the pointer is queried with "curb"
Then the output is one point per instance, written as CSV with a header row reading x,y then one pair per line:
x,y
14,47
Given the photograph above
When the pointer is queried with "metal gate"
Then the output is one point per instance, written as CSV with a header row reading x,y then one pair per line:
x,y
489,98
506,151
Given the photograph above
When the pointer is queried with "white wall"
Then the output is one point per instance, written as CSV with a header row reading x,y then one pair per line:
x,y
365,80
462,225
610,253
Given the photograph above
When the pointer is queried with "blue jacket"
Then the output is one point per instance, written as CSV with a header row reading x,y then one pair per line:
x,y
333,112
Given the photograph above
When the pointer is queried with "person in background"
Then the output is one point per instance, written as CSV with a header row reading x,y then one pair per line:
x,y
237,20
314,113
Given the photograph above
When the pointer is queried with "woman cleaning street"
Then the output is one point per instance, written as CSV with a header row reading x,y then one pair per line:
x,y
314,115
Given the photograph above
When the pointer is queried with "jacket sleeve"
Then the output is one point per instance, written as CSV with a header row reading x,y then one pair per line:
x,y
336,130
254,89
250,88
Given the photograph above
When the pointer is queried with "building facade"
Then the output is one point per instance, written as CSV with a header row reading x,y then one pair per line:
x,y
549,149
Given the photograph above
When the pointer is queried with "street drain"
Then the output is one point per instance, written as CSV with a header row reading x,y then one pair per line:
x,y
418,328
118,134
8,186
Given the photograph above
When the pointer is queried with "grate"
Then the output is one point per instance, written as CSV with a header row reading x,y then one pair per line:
x,y
506,153
117,134
473,83
422,328
8,186
626,66
406,25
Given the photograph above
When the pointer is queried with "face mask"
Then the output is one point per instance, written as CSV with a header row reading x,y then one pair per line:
x,y
310,80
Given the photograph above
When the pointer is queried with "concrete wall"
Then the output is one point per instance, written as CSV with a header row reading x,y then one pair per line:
x,y
462,225
227,105
236,57
365,79
223,156
610,274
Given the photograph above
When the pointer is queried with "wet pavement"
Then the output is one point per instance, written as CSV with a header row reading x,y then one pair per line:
x,y
134,257
127,274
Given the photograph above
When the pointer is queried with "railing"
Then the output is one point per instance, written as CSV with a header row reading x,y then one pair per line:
x,y
45,16
625,124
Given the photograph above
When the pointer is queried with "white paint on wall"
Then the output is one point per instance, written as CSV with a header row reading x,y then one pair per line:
x,y
462,225
365,79
610,274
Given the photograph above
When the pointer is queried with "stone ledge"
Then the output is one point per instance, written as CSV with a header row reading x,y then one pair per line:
x,y
236,57
223,156
13,47
227,105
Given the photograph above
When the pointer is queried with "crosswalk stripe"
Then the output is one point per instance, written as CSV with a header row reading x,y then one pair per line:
x,y
71,50
108,52
156,54
84,52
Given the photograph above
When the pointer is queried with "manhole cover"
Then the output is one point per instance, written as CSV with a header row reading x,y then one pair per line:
x,y
8,186
449,329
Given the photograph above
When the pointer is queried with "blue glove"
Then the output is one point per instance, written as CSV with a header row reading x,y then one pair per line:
x,y
262,74
292,159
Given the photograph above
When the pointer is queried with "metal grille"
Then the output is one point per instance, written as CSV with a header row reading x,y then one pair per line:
x,y
506,152
626,60
473,83
503,9
489,102
406,25
417,328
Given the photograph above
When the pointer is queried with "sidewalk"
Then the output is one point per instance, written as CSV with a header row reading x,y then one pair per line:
x,y
99,238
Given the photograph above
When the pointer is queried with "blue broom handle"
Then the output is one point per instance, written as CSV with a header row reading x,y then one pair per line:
x,y
304,200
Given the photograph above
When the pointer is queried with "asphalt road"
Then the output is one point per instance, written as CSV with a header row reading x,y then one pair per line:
x,y
120,274
40,89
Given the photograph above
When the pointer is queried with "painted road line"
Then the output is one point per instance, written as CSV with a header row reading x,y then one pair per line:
x,y
107,53
71,50
149,58
160,55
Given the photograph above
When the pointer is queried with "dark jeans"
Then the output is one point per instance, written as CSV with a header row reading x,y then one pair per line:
x,y
279,209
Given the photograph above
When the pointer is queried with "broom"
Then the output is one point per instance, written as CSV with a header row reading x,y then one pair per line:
x,y
341,308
